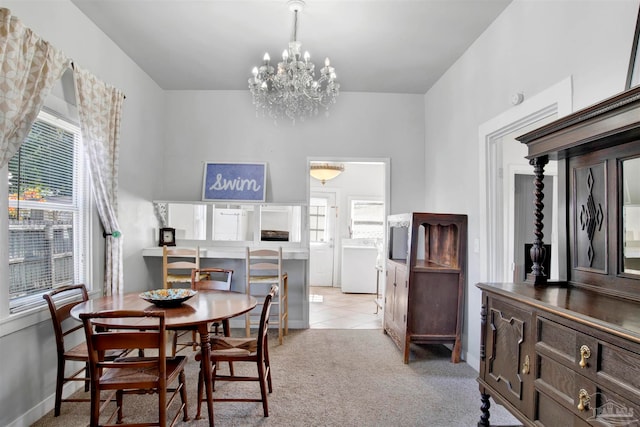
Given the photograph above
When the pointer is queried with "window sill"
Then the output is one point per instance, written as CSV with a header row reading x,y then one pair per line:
x,y
23,320
28,318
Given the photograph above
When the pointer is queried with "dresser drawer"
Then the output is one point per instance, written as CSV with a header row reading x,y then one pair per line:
x,y
564,396
609,365
550,413
564,344
619,370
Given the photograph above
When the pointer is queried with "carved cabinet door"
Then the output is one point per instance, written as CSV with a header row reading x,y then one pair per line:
x,y
508,362
396,302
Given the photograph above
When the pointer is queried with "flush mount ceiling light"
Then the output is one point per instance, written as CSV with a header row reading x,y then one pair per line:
x,y
325,172
291,90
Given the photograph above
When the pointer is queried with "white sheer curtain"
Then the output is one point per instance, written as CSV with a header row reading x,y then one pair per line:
x,y
100,108
29,66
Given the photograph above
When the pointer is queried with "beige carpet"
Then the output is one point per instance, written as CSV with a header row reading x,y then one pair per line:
x,y
336,378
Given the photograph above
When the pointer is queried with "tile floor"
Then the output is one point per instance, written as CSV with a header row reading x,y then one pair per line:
x,y
329,308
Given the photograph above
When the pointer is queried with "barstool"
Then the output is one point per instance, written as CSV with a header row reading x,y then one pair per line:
x,y
263,269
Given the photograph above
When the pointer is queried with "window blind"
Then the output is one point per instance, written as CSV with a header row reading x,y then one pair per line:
x,y
47,212
367,219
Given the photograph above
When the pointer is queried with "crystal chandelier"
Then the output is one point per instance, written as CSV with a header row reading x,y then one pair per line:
x,y
291,90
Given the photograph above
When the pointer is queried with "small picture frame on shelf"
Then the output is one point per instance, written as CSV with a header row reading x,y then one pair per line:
x,y
167,236
633,75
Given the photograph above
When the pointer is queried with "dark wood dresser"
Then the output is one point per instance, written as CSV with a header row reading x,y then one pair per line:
x,y
424,292
568,353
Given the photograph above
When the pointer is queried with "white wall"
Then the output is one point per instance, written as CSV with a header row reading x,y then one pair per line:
x,y
531,46
28,386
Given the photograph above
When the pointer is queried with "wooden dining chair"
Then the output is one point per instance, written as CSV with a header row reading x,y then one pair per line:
x,y
126,375
263,268
252,350
218,279
177,264
60,301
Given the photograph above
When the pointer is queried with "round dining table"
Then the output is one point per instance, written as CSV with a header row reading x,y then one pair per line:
x,y
197,313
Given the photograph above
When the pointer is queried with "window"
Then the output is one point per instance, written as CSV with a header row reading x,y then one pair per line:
x,y
317,220
47,212
367,219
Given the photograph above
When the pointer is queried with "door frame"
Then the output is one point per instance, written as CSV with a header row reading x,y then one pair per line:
x,y
387,206
556,100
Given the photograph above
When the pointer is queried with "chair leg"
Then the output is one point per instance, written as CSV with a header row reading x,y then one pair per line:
x,y
267,364
119,402
95,407
201,381
248,325
194,340
86,374
174,342
280,318
59,383
183,396
286,305
263,387
213,376
162,406
226,331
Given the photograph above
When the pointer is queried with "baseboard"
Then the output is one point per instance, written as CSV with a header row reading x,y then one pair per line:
x,y
44,407
237,323
472,361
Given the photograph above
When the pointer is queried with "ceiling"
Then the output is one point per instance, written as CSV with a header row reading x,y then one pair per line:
x,y
394,46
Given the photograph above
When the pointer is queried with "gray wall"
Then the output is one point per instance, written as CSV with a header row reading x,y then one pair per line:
x,y
531,46
432,141
164,138
27,345
221,126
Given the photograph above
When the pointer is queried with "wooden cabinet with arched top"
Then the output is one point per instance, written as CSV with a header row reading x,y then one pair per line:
x,y
426,270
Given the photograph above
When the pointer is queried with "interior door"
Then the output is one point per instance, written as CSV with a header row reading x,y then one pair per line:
x,y
322,223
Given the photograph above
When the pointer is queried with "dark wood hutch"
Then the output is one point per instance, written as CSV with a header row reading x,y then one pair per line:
x,y
426,268
567,353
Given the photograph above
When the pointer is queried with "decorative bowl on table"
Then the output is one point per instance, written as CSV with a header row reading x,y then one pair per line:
x,y
168,297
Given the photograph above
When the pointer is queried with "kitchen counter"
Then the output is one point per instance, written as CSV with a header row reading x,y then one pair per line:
x,y
232,252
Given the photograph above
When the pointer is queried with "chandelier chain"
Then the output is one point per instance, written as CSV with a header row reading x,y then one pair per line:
x,y
294,35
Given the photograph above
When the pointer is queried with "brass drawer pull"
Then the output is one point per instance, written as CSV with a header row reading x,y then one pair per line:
x,y
584,399
585,353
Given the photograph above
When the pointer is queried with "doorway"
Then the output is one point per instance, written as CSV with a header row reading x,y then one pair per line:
x,y
502,158
523,220
330,308
513,198
331,228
